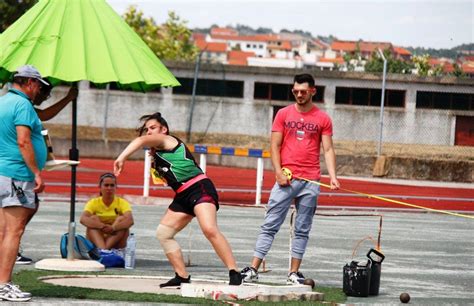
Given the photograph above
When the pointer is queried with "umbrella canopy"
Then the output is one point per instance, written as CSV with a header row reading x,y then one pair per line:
x,y
73,40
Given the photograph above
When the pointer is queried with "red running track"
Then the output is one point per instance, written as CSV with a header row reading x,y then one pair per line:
x,y
244,180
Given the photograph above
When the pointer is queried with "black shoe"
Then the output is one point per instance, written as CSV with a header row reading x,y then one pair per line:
x,y
235,278
22,260
176,281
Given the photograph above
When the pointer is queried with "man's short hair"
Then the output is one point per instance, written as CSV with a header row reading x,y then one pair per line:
x,y
304,78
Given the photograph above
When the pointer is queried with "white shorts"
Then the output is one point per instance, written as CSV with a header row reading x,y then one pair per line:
x,y
16,193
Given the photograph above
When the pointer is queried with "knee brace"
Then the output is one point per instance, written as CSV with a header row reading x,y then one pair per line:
x,y
165,234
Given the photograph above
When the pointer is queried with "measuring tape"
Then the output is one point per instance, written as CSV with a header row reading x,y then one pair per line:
x,y
289,175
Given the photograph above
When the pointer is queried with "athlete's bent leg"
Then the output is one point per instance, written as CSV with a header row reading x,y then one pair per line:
x,y
207,219
177,221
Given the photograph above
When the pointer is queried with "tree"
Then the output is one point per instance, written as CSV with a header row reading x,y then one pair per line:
x,y
375,64
11,10
354,60
421,64
170,41
458,72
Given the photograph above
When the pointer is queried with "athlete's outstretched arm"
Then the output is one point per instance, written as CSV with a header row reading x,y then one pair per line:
x,y
150,141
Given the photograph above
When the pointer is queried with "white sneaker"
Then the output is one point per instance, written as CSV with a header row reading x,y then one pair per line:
x,y
12,293
249,275
295,278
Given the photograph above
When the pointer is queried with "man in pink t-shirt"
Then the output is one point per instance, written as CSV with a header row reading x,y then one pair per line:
x,y
297,134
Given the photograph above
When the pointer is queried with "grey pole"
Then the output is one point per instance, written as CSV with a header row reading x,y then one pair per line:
x,y
382,102
193,97
106,112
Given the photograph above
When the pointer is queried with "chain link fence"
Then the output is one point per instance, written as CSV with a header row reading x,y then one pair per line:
x,y
420,120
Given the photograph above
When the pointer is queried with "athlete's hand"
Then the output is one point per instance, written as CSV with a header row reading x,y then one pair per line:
x,y
118,166
282,179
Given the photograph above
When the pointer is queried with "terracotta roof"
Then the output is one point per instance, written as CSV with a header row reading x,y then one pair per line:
x,y
211,46
444,63
285,45
339,45
468,67
269,37
370,46
241,37
320,44
337,60
448,67
432,61
364,46
468,58
224,31
197,36
401,51
238,58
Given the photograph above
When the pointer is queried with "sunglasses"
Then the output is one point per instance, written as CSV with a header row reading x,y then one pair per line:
x,y
109,185
303,92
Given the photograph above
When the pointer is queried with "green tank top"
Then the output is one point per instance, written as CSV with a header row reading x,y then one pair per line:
x,y
176,166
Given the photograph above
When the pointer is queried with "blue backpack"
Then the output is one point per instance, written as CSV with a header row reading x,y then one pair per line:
x,y
83,248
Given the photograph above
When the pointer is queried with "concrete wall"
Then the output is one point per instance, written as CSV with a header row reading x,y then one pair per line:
x,y
247,116
348,165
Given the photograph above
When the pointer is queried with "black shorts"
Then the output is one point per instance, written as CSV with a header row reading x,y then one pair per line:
x,y
202,191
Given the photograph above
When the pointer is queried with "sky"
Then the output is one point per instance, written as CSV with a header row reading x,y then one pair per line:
x,y
416,23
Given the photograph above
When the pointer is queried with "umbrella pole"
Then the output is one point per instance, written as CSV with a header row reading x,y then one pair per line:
x,y
73,155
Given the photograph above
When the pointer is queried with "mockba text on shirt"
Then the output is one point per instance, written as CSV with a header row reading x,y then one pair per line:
x,y
304,126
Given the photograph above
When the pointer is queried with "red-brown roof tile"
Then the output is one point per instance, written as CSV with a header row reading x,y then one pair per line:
x,y
337,60
197,36
238,58
401,51
284,45
468,67
211,46
364,46
339,45
371,46
224,31
240,37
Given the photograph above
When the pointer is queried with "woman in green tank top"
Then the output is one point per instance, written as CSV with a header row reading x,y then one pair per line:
x,y
195,196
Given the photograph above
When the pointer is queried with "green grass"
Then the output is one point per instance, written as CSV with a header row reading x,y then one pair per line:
x,y
28,281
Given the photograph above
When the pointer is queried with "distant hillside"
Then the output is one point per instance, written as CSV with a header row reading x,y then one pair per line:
x,y
246,30
453,53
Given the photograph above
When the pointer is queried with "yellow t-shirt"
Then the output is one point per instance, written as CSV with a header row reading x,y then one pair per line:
x,y
107,214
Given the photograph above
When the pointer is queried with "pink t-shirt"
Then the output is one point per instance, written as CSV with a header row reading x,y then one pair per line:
x,y
301,142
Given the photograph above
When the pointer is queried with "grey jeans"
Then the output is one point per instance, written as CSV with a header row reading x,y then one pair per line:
x,y
306,196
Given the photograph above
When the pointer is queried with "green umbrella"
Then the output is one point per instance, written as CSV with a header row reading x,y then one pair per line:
x,y
74,40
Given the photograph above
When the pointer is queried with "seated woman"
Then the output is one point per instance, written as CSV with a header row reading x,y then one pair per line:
x,y
108,218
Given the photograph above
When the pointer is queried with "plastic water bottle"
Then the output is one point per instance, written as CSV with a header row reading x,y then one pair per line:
x,y
130,252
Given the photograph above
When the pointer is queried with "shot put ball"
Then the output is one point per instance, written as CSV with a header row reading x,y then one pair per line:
x,y
309,282
404,297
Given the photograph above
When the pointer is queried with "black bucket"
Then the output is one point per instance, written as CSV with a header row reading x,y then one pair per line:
x,y
356,279
376,270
